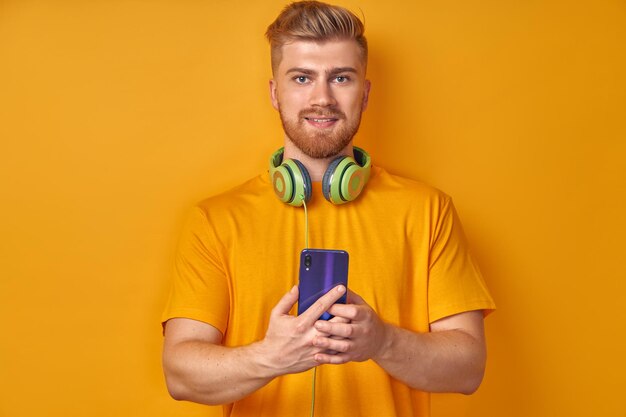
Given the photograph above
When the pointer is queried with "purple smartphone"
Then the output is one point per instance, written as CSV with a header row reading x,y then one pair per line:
x,y
321,270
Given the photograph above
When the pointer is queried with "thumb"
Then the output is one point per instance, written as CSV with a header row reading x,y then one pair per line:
x,y
285,304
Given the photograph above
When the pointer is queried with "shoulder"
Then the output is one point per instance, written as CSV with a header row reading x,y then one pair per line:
x,y
250,192
384,184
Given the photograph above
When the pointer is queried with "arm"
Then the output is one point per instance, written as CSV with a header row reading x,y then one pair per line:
x,y
197,368
451,358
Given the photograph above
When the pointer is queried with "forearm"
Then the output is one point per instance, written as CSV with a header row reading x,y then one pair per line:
x,y
443,361
199,368
213,374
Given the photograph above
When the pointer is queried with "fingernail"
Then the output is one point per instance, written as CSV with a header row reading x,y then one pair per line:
x,y
341,288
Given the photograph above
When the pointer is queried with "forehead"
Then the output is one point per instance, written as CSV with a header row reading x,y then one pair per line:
x,y
321,56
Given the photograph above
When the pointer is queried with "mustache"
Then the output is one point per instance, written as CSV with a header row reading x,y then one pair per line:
x,y
322,113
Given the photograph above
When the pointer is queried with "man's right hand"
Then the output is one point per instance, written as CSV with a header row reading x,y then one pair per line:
x,y
288,344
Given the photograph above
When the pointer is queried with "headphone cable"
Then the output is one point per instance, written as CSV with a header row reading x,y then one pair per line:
x,y
313,392
306,225
306,246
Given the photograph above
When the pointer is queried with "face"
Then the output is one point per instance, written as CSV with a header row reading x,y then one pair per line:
x,y
320,91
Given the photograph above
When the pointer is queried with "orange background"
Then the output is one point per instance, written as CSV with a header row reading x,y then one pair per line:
x,y
115,117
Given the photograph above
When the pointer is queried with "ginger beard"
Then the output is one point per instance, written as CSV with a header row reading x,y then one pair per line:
x,y
320,143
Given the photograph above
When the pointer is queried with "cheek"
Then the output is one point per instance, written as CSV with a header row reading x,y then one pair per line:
x,y
290,102
351,99
356,104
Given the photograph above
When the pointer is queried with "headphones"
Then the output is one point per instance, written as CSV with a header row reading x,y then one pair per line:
x,y
343,180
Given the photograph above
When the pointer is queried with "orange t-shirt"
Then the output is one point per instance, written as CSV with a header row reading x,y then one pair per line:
x,y
409,260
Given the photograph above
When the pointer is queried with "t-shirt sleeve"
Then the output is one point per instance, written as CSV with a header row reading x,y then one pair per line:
x,y
200,289
455,283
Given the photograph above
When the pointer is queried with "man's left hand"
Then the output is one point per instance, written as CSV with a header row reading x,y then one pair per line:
x,y
359,335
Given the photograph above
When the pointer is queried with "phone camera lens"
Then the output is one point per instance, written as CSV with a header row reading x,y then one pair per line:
x,y
307,260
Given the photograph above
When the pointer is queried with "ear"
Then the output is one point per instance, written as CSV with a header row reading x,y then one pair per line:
x,y
366,94
273,95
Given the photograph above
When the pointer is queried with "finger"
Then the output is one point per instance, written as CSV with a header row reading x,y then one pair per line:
x,y
334,345
333,320
345,312
285,304
337,319
313,313
341,330
334,359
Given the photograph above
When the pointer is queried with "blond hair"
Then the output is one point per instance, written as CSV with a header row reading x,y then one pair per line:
x,y
314,21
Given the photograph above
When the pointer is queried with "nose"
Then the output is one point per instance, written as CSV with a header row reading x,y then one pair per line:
x,y
322,95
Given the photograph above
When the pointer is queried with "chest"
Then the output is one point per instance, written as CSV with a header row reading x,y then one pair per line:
x,y
388,260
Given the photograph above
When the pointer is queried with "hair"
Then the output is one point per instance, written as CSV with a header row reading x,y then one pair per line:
x,y
314,21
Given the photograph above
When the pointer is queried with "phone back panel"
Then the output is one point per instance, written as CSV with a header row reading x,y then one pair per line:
x,y
324,270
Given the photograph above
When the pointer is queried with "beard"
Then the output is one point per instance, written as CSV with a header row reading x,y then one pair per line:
x,y
320,143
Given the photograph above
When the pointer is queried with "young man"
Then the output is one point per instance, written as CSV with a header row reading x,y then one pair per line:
x,y
413,321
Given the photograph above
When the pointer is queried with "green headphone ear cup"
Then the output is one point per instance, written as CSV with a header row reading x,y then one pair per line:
x,y
352,182
280,178
290,179
345,177
330,192
282,182
302,179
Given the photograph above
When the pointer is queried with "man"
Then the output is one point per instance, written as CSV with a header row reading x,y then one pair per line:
x,y
413,321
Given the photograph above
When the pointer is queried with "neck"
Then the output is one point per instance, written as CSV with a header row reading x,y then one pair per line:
x,y
316,167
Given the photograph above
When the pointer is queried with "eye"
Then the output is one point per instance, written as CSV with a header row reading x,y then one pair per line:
x,y
342,79
301,79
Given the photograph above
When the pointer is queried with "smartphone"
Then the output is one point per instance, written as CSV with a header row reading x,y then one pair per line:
x,y
321,270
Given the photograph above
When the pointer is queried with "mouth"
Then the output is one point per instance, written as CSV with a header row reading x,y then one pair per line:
x,y
321,119
321,122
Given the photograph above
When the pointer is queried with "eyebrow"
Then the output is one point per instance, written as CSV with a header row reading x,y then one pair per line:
x,y
333,71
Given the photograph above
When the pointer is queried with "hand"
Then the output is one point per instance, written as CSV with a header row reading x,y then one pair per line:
x,y
288,343
359,334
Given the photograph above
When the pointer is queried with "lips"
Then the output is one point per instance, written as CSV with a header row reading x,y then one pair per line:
x,y
320,119
321,122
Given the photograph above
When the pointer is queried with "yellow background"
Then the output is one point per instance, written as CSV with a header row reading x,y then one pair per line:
x,y
115,117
